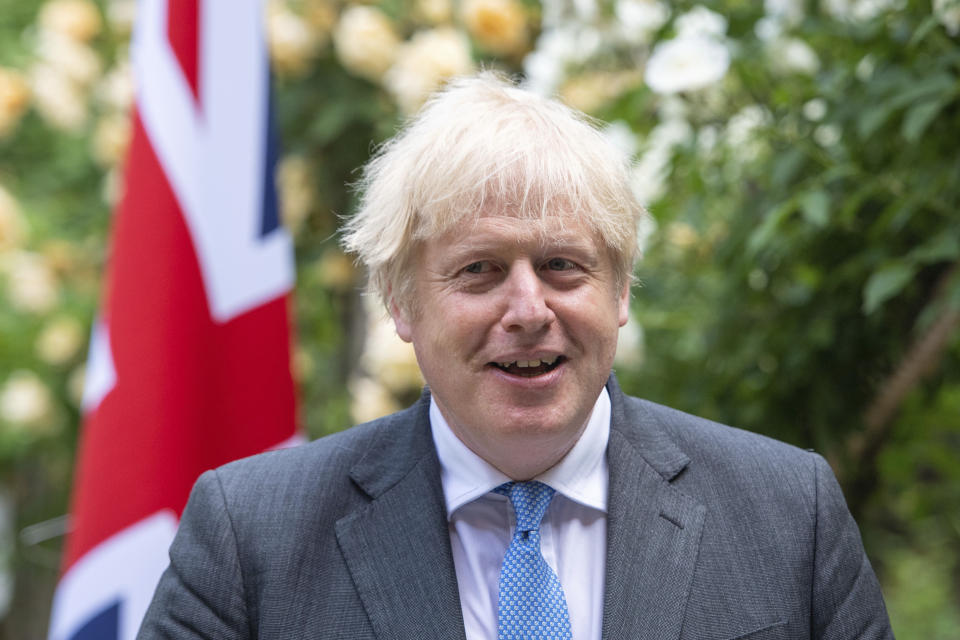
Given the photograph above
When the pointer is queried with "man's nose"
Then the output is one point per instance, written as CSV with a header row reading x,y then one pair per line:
x,y
526,303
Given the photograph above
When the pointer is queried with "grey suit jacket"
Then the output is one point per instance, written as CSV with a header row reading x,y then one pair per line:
x,y
713,533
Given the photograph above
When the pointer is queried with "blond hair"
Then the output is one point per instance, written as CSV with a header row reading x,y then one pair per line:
x,y
479,143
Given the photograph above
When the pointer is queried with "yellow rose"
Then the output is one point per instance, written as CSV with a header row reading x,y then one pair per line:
x,y
60,340
110,139
370,400
499,26
434,11
590,91
365,42
295,186
337,271
31,284
77,19
14,99
292,43
24,399
429,58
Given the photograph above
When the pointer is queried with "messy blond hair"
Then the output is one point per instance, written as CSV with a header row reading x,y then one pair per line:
x,y
483,143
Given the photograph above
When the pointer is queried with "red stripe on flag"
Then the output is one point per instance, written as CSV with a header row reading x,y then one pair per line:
x,y
183,19
190,394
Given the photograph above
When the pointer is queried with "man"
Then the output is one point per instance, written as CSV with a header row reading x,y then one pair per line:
x,y
525,495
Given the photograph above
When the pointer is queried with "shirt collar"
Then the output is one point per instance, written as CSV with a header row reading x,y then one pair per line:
x,y
581,475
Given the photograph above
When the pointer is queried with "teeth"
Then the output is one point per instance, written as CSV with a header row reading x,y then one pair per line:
x,y
528,364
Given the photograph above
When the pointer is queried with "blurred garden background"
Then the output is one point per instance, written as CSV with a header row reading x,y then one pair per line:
x,y
801,162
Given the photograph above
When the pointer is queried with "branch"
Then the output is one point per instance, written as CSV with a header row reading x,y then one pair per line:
x,y
920,361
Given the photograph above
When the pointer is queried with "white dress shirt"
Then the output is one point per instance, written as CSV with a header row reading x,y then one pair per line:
x,y
573,533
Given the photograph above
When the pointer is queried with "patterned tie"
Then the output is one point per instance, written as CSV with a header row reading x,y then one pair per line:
x,y
531,598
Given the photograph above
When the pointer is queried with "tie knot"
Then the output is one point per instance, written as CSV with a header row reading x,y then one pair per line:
x,y
530,501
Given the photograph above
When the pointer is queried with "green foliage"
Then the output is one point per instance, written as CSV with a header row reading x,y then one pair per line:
x,y
793,275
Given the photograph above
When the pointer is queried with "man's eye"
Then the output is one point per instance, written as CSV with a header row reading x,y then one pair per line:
x,y
559,264
477,267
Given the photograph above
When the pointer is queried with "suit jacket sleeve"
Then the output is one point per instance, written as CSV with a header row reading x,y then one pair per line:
x,y
847,602
200,595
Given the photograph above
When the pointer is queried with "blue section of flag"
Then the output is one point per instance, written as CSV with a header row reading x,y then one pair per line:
x,y
271,219
103,626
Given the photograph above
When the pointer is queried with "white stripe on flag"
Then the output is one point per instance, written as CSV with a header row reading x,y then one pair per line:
x,y
123,569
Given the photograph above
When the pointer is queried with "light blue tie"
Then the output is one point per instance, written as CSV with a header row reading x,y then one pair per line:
x,y
531,598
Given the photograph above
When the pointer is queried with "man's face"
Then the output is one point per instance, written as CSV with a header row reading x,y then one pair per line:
x,y
515,334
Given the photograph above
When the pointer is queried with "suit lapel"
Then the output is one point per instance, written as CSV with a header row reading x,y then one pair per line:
x,y
653,530
397,547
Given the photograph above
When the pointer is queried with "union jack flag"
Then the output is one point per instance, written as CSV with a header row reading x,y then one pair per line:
x,y
189,361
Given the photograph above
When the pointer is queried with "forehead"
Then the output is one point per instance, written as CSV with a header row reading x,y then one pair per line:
x,y
506,232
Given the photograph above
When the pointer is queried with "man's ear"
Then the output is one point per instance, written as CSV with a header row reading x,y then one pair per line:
x,y
623,302
401,320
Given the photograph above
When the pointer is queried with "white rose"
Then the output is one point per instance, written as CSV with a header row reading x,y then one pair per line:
x,y
31,285
859,10
686,63
700,21
648,176
793,55
744,124
365,42
948,14
741,134
72,58
115,90
24,399
815,109
121,14
423,63
60,340
789,12
58,99
827,135
545,67
638,19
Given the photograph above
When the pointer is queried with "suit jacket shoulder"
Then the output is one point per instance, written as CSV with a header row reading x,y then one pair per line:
x,y
751,536
322,540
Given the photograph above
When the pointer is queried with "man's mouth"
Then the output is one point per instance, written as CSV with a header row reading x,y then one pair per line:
x,y
529,368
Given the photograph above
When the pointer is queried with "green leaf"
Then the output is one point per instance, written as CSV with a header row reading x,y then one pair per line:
x,y
786,166
815,206
872,119
885,283
768,228
937,249
924,30
919,117
938,86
